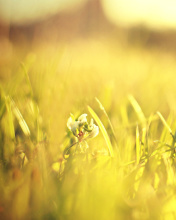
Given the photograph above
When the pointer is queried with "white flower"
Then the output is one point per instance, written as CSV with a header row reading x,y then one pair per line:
x,y
94,132
81,129
82,119
75,126
91,125
70,122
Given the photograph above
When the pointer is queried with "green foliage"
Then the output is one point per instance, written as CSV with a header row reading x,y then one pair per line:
x,y
128,170
103,130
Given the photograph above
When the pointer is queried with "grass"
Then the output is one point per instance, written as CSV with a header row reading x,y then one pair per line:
x,y
129,169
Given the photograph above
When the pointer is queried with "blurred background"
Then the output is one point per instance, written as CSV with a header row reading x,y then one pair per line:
x,y
76,50
59,19
56,56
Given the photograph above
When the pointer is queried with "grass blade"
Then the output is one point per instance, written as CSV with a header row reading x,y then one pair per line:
x,y
104,111
137,146
144,141
137,108
103,130
27,78
10,117
165,123
110,124
20,119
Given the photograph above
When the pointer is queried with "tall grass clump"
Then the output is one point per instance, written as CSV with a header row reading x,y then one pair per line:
x,y
111,158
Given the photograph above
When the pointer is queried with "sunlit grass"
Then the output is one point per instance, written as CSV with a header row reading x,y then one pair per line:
x,y
128,171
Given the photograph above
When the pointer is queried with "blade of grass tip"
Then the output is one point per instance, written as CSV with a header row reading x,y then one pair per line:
x,y
27,78
144,141
165,123
20,119
150,120
104,111
110,124
137,108
10,117
137,145
103,130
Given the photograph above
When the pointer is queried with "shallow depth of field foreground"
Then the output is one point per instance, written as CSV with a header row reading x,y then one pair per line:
x,y
128,170
116,161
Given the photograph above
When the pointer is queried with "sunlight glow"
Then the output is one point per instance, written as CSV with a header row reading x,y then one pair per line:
x,y
22,11
155,14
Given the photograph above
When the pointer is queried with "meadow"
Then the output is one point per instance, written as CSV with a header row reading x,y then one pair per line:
x,y
128,170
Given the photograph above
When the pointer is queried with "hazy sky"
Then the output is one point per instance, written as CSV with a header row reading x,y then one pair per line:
x,y
21,11
153,13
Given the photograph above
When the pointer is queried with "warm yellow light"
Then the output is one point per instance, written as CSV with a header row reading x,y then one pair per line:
x,y
155,14
22,11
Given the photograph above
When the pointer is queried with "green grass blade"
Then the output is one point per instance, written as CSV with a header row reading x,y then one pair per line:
x,y
124,115
137,146
164,122
10,117
169,169
103,130
27,78
104,111
110,124
137,108
2,103
144,141
20,119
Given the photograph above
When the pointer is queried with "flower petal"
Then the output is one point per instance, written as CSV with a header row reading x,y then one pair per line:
x,y
91,125
82,119
70,122
94,132
75,127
